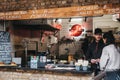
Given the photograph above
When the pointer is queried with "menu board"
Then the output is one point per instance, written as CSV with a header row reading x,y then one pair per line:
x,y
5,47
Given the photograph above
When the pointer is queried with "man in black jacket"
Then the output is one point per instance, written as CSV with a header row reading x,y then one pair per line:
x,y
95,50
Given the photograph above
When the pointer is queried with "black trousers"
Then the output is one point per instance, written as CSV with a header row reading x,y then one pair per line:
x,y
95,68
96,72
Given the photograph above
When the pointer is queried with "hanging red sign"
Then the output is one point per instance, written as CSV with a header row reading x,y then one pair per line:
x,y
76,30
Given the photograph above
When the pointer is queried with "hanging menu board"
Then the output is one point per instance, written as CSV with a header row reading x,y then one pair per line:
x,y
5,47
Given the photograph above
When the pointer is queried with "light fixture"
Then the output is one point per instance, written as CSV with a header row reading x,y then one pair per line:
x,y
56,20
70,20
85,19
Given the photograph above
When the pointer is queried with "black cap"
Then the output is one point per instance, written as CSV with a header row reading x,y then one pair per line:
x,y
98,31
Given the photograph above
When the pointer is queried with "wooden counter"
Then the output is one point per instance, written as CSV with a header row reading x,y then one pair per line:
x,y
14,73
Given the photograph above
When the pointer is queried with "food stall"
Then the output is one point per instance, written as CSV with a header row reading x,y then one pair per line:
x,y
43,57
40,68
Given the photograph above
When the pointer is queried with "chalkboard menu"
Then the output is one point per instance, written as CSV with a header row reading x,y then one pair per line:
x,y
5,47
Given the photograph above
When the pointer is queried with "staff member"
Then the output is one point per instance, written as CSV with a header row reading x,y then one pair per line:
x,y
95,50
110,59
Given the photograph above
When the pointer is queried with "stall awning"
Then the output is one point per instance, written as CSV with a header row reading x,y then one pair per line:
x,y
44,27
34,24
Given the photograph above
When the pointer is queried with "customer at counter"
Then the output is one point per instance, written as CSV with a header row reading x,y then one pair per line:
x,y
95,50
110,59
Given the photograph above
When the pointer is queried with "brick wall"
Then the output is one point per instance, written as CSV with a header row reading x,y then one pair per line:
x,y
12,5
39,76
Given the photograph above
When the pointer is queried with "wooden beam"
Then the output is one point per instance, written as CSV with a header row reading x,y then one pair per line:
x,y
91,10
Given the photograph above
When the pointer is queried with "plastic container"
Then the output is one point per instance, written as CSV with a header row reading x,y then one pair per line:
x,y
77,68
85,68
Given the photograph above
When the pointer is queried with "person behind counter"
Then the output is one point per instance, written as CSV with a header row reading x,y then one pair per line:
x,y
110,59
95,50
